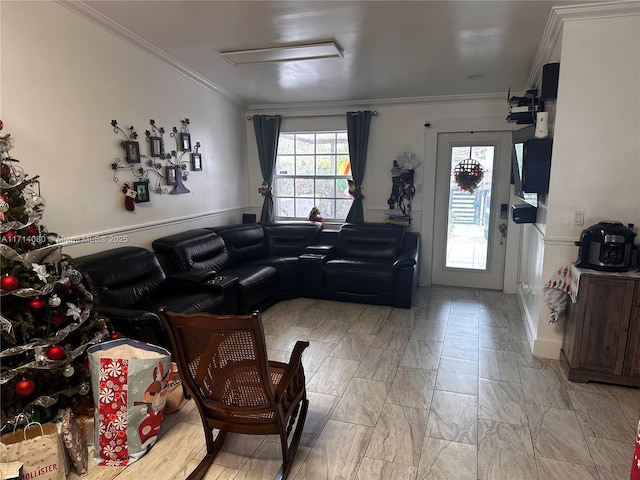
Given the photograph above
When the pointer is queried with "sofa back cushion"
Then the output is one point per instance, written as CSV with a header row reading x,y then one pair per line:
x,y
199,249
123,277
370,240
244,242
289,239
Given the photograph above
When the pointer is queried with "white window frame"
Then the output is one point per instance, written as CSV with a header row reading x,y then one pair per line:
x,y
279,174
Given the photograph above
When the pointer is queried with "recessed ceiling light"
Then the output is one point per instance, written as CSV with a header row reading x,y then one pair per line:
x,y
476,76
285,53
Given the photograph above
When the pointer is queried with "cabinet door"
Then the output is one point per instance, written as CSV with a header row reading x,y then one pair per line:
x,y
606,323
632,360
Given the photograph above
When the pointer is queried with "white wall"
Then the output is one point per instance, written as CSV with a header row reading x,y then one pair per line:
x,y
396,129
63,80
596,153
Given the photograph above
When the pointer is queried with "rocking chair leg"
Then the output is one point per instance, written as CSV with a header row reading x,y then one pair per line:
x,y
212,450
289,454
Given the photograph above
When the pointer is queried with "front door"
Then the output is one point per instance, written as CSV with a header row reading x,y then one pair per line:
x,y
472,207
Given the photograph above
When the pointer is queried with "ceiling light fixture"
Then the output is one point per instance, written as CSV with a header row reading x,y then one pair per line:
x,y
285,53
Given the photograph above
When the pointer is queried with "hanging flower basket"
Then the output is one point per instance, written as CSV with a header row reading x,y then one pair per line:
x,y
468,174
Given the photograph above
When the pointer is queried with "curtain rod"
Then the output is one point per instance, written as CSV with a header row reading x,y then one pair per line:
x,y
374,113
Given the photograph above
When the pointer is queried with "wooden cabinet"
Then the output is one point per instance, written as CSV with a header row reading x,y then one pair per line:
x,y
602,331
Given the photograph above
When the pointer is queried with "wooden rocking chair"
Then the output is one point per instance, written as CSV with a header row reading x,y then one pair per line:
x,y
222,359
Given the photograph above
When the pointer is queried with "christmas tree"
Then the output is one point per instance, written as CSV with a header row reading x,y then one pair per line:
x,y
47,318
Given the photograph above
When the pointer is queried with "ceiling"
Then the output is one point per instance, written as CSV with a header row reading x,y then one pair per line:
x,y
392,49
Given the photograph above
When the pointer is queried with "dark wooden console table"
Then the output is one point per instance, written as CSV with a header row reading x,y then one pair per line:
x,y
602,330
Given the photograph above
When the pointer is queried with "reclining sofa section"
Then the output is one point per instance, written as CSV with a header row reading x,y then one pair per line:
x,y
365,263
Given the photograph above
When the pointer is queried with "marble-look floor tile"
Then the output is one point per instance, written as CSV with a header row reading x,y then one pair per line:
x,y
556,434
460,346
337,453
353,346
361,402
601,416
375,469
368,323
333,376
398,435
612,458
549,469
421,354
456,375
287,339
453,417
445,460
320,409
628,398
544,387
429,330
505,452
237,449
380,365
499,365
267,460
412,387
495,338
501,402
314,356
393,337
330,331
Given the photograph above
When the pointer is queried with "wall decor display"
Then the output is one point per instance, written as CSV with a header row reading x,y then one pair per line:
x,y
196,159
130,145
142,191
172,174
173,167
183,137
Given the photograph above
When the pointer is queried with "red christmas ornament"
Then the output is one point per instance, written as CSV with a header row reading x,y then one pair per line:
x,y
58,320
25,387
37,304
9,283
56,352
28,246
115,335
10,236
33,229
5,197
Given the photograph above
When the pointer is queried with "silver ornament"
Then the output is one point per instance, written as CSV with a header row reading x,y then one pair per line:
x,y
55,301
84,388
68,371
4,206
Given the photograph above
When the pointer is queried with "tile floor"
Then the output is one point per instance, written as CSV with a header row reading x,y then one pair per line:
x,y
446,390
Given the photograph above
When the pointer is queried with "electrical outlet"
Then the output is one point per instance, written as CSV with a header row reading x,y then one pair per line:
x,y
578,217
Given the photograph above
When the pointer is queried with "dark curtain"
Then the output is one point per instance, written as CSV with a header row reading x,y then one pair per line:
x,y
267,128
358,134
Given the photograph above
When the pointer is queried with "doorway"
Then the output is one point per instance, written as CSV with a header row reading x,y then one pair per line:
x,y
471,209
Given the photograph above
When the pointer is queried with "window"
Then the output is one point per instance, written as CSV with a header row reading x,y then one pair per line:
x,y
312,169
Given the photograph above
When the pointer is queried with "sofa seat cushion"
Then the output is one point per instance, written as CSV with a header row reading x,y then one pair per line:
x,y
257,286
287,268
358,275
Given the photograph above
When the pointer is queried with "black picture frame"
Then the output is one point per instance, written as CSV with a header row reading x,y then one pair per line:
x,y
132,151
142,191
185,140
157,147
196,161
172,175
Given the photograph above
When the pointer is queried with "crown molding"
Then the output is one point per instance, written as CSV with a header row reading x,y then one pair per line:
x,y
85,11
341,105
568,13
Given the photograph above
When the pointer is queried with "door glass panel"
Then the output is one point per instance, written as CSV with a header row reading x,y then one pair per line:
x,y
469,211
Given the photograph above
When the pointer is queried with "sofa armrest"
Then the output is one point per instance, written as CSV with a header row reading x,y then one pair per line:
x,y
141,325
192,276
320,249
407,259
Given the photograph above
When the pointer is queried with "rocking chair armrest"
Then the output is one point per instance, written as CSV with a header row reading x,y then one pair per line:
x,y
294,365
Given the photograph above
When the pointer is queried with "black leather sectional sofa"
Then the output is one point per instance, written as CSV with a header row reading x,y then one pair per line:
x,y
241,268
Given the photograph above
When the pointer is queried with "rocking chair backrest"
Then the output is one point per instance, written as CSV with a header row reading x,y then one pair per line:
x,y
223,361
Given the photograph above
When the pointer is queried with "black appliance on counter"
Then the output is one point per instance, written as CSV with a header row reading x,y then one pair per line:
x,y
606,246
